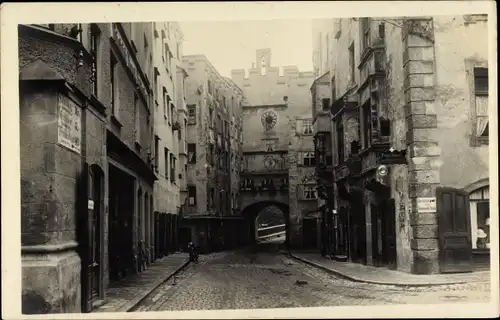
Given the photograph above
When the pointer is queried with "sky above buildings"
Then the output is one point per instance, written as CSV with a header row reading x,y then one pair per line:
x,y
233,44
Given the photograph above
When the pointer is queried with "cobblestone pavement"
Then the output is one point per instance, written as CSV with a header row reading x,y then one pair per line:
x,y
257,278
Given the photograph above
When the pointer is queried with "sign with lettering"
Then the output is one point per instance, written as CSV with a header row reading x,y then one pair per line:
x,y
426,204
69,121
90,204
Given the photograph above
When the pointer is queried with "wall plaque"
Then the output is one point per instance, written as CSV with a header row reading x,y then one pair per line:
x,y
69,132
426,205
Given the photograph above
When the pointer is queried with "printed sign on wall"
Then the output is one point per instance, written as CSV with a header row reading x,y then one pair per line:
x,y
426,205
69,132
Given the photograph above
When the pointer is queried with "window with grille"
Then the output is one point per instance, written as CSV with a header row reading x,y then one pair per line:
x,y
481,101
307,126
191,153
309,192
192,195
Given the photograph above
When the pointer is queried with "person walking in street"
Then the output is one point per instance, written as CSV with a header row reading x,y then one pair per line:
x,y
193,254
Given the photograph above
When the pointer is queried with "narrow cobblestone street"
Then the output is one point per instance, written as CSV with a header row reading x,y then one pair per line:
x,y
263,277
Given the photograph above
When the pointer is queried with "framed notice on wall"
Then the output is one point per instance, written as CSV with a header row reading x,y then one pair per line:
x,y
69,119
426,205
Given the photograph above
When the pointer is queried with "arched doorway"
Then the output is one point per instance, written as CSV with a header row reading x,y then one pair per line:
x,y
265,218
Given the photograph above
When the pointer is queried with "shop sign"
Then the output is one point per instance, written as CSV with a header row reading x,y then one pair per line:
x,y
69,121
426,204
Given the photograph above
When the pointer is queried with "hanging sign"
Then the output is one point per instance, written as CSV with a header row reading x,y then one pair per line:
x,y
69,132
426,204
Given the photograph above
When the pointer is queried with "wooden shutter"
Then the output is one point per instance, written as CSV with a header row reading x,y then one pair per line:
x,y
454,230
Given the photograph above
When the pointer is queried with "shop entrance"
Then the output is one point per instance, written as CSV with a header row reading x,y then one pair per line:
x,y
121,213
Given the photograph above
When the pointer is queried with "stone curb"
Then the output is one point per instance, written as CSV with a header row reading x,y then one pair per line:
x,y
129,306
356,279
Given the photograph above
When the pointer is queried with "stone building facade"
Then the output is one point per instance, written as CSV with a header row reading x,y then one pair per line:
x,y
278,151
323,129
170,116
212,100
88,166
410,112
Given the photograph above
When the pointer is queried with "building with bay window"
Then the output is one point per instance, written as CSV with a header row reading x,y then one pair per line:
x,y
410,140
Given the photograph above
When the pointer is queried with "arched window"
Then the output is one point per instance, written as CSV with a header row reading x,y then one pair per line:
x,y
480,217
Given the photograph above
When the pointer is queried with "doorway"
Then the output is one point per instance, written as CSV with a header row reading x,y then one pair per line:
x,y
93,224
358,230
121,213
454,225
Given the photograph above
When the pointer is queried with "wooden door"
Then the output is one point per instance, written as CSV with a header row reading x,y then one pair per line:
x,y
376,224
95,228
91,249
389,231
454,230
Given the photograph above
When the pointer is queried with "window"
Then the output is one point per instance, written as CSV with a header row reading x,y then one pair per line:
x,y
309,160
167,110
211,117
157,152
326,104
191,153
351,63
191,113
137,119
114,86
480,218
334,90
164,102
94,48
367,135
271,145
307,126
172,112
365,33
310,193
172,168
155,86
192,195
210,153
339,131
167,154
211,198
481,101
